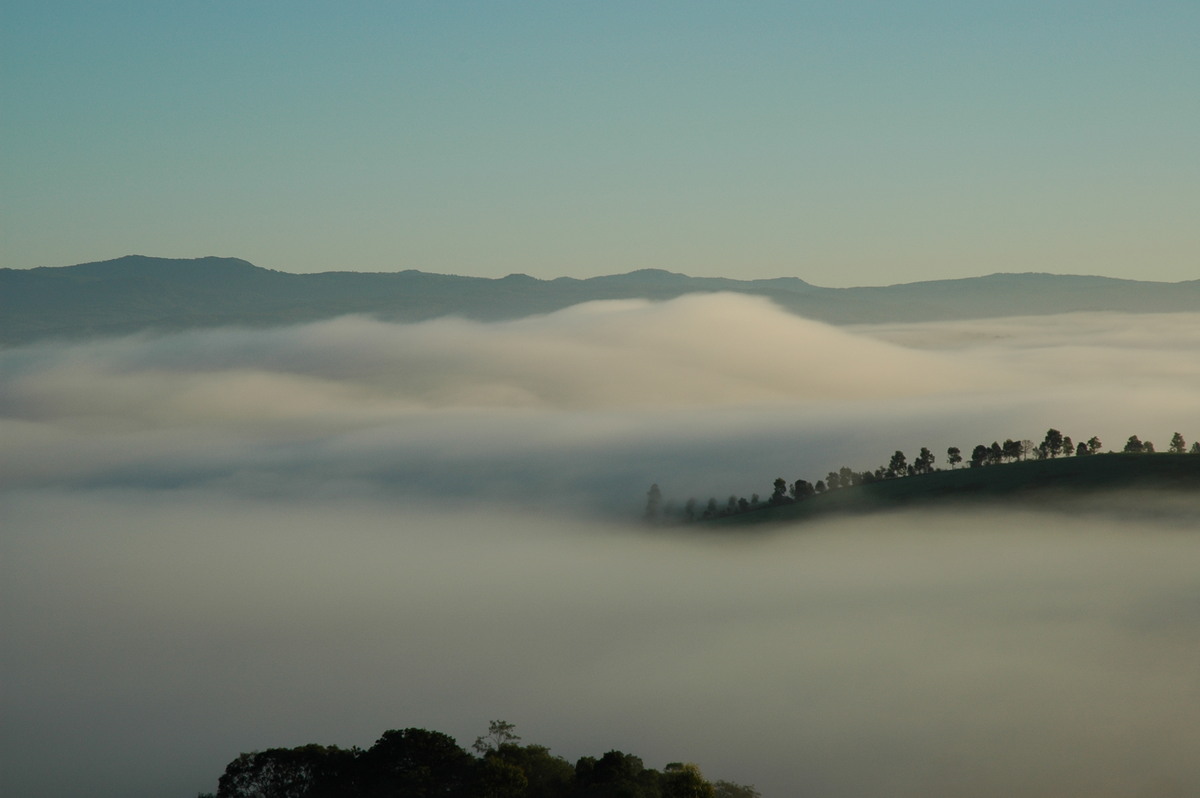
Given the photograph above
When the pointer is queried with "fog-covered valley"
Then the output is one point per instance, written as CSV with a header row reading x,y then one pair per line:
x,y
228,540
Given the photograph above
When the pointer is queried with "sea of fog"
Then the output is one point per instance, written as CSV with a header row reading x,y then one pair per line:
x,y
229,540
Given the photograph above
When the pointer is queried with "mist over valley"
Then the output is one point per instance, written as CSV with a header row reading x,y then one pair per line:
x,y
232,539
469,334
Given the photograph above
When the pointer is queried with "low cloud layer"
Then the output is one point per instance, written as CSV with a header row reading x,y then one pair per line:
x,y
235,539
697,351
589,405
159,635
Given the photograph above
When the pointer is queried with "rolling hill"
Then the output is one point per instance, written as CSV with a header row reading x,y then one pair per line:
x,y
1029,483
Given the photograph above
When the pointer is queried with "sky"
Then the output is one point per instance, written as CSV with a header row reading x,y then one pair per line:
x,y
226,540
850,143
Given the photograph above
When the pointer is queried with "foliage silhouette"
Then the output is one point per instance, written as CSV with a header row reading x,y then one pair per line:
x,y
418,763
1054,447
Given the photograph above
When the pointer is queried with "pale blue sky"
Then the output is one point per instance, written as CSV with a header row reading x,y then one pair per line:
x,y
845,143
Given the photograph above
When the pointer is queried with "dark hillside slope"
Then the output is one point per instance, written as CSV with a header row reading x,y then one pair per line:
x,y
1031,483
142,293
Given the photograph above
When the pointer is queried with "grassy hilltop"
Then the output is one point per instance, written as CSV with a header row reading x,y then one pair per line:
x,y
1030,481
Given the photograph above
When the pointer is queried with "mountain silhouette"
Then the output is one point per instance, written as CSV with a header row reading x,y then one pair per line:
x,y
136,292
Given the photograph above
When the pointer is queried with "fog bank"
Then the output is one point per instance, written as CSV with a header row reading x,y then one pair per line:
x,y
706,395
155,636
228,540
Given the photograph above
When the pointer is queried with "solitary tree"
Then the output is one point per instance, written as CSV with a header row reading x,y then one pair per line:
x,y
1081,449
1195,448
653,500
924,461
1133,445
500,732
1094,445
898,466
1178,444
953,456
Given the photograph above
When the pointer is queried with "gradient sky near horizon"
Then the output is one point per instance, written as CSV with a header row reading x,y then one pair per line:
x,y
849,143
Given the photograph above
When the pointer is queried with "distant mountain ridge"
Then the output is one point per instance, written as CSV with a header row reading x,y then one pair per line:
x,y
136,292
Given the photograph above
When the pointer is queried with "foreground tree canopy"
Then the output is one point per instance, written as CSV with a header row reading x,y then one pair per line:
x,y
417,763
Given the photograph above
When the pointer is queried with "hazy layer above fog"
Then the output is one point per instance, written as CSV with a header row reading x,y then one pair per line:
x,y
224,540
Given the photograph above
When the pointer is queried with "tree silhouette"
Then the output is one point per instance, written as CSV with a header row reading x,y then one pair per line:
x,y
898,465
924,462
727,789
1178,444
685,781
546,775
953,456
979,456
653,500
285,772
500,732
414,762
779,492
615,774
1053,442
1195,448
1133,445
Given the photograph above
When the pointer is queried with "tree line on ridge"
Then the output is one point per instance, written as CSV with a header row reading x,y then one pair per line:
x,y
1053,445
